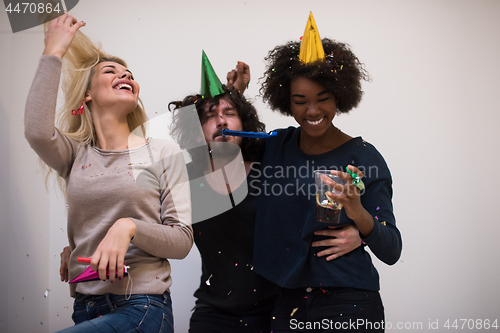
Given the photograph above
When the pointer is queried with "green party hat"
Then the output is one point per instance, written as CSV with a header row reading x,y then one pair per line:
x,y
210,83
311,47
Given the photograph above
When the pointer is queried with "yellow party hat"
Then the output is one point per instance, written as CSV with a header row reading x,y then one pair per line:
x,y
311,48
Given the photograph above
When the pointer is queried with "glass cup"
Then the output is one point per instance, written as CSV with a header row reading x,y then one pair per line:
x,y
327,209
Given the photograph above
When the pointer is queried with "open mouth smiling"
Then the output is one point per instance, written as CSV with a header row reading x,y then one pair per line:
x,y
315,122
125,86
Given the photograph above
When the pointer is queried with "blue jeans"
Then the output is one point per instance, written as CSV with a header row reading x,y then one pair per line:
x,y
114,313
328,310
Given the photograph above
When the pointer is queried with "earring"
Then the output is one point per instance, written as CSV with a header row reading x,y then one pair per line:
x,y
79,111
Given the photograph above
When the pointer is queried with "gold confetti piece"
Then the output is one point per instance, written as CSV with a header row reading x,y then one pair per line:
x,y
383,223
293,312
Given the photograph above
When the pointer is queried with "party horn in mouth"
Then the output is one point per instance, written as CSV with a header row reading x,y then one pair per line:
x,y
248,134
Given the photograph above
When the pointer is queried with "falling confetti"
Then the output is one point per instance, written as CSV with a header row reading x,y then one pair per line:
x,y
293,312
46,294
208,281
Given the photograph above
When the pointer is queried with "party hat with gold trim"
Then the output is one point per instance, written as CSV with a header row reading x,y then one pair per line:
x,y
311,48
210,83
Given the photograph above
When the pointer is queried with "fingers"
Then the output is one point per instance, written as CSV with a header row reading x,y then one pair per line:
x,y
63,268
348,189
329,232
231,77
70,20
110,254
112,268
330,182
242,77
334,241
115,266
343,241
78,25
62,271
355,170
120,266
94,260
336,255
332,253
60,35
347,177
109,267
244,70
64,19
103,267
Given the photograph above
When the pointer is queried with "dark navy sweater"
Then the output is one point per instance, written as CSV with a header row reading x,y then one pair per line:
x,y
286,216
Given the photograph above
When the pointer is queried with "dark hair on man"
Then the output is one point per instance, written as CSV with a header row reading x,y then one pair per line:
x,y
251,149
340,73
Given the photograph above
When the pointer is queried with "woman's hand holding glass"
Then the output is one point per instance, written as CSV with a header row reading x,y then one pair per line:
x,y
349,196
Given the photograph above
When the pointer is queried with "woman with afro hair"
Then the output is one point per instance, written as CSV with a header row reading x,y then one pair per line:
x,y
317,294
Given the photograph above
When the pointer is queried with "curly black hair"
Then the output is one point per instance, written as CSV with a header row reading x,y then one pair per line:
x,y
340,73
251,148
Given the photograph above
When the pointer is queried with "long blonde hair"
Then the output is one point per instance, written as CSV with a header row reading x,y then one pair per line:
x,y
79,63
78,69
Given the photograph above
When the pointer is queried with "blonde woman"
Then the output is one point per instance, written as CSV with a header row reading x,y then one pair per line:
x,y
128,196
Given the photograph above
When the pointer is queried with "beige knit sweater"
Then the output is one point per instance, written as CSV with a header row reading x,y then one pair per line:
x,y
148,184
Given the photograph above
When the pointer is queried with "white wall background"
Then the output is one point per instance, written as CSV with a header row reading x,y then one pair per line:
x,y
431,110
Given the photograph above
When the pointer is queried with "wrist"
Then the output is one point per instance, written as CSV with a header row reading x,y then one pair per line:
x,y
49,52
129,225
364,223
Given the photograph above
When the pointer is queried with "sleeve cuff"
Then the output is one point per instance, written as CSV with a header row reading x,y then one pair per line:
x,y
375,232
